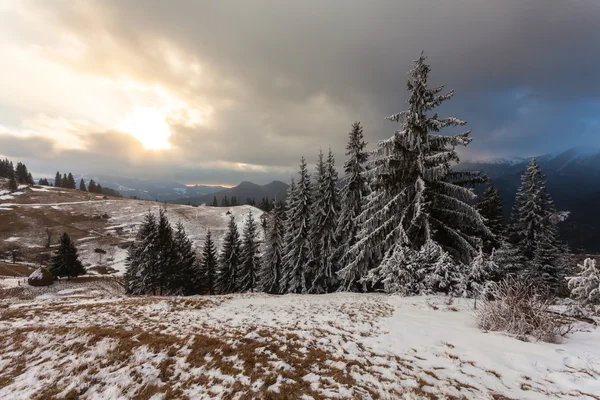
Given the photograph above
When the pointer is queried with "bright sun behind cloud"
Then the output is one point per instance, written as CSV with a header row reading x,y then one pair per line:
x,y
149,126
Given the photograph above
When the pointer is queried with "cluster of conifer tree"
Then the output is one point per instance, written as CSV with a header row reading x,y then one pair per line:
x,y
66,261
15,175
403,221
265,204
163,260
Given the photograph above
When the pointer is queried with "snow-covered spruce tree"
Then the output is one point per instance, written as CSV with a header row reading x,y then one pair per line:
x,y
66,260
353,195
271,265
208,265
249,258
164,267
326,207
186,275
229,260
533,232
140,258
509,261
490,207
585,287
297,244
480,272
416,196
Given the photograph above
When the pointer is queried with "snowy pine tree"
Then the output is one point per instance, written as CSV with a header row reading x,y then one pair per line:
x,y
249,258
416,196
270,273
186,279
208,265
163,269
533,232
585,287
229,260
297,245
353,196
481,271
140,258
66,260
322,270
490,207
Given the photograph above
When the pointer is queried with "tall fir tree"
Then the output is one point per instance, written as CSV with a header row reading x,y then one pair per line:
x,y
249,256
490,207
71,181
82,186
164,267
12,183
297,245
417,198
58,180
92,186
326,208
270,273
64,182
533,232
66,260
353,196
229,260
215,202
208,265
140,259
187,278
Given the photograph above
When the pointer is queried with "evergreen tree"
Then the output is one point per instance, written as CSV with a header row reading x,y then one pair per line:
x,y
164,266
30,180
481,271
326,206
21,173
353,195
215,203
234,201
533,232
64,182
249,256
99,188
12,183
141,257
490,207
297,245
57,180
229,260
208,266
82,186
270,273
187,277
66,260
71,182
417,197
92,186
585,287
224,202
4,168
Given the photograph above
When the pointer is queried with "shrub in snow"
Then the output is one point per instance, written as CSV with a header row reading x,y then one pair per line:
x,y
513,306
585,287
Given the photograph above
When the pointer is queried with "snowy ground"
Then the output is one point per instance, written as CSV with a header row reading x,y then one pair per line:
x,y
93,343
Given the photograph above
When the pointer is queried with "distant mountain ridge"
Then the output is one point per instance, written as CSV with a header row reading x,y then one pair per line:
x,y
243,191
573,182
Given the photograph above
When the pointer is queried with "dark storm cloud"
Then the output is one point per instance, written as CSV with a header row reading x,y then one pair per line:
x,y
298,73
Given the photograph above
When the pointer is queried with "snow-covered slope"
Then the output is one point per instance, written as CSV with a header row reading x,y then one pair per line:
x,y
95,221
94,344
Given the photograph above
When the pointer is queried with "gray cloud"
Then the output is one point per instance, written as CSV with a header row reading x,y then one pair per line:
x,y
294,75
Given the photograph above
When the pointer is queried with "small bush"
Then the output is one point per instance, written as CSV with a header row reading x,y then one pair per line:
x,y
513,306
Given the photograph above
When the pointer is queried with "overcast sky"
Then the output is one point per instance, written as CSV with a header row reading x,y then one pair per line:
x,y
218,92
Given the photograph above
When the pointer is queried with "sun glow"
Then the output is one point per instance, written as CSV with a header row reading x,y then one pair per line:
x,y
149,126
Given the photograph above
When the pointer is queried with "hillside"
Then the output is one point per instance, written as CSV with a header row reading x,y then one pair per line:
x,y
95,222
243,191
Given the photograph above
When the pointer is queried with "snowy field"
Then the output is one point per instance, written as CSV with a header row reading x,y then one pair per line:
x,y
85,340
